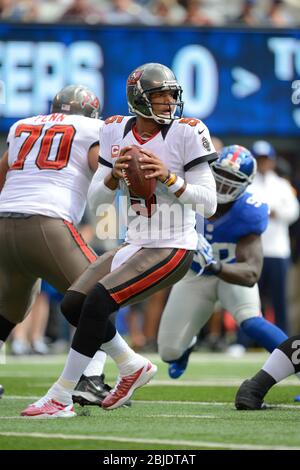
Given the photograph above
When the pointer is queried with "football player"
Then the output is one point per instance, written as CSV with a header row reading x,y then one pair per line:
x,y
44,178
283,362
231,257
157,253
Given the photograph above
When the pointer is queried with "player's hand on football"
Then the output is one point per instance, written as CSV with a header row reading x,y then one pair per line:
x,y
121,163
151,162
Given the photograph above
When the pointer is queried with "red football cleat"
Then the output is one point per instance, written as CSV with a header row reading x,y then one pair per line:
x,y
126,385
48,408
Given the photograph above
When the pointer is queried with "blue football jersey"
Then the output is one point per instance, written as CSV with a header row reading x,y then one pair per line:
x,y
246,216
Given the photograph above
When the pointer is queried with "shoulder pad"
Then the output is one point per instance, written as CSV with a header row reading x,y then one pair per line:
x,y
189,121
116,119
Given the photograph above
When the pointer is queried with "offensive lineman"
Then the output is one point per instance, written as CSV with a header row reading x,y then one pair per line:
x,y
178,151
44,179
233,256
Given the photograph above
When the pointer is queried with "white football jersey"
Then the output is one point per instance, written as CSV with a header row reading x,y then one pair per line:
x,y
164,221
48,171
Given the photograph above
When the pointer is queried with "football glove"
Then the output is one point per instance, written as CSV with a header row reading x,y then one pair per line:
x,y
204,254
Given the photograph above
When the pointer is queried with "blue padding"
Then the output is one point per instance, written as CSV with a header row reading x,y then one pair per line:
x,y
263,332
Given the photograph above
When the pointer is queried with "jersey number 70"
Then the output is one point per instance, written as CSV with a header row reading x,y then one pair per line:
x,y
66,133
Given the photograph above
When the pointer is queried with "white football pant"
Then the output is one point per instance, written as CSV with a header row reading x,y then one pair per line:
x,y
191,304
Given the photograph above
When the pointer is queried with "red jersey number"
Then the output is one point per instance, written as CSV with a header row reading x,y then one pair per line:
x,y
66,134
190,121
117,119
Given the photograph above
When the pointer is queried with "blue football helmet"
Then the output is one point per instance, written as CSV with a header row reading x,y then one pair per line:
x,y
233,171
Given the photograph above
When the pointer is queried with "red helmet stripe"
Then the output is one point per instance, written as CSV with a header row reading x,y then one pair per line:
x,y
236,154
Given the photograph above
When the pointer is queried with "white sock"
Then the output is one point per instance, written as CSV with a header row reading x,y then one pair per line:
x,y
278,365
76,363
96,365
125,358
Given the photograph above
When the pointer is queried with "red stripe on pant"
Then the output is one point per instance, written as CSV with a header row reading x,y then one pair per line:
x,y
152,278
89,254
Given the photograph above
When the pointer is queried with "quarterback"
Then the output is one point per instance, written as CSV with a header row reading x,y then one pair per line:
x,y
229,260
177,151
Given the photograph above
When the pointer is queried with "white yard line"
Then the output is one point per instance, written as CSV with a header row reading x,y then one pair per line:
x,y
11,417
177,443
228,382
162,402
222,382
180,416
28,375
21,397
208,403
167,416
197,357
36,359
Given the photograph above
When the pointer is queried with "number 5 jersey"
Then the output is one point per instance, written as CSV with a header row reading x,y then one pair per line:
x,y
164,220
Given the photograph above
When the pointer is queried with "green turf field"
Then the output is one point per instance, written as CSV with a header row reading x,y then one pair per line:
x,y
194,412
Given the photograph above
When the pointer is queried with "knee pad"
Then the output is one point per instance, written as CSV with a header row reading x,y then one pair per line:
x,y
99,303
71,306
94,319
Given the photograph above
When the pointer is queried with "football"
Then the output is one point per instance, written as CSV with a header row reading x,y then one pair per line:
x,y
134,176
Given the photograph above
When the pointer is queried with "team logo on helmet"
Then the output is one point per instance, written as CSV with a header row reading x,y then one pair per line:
x,y
230,163
134,77
91,100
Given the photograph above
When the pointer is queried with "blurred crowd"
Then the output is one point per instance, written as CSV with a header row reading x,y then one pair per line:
x,y
256,13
